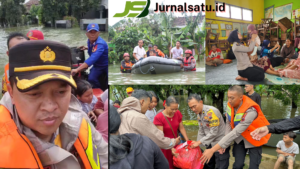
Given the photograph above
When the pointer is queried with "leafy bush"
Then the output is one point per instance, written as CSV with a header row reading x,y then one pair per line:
x,y
112,57
73,20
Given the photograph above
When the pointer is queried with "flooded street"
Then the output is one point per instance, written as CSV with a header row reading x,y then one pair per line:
x,y
116,77
71,37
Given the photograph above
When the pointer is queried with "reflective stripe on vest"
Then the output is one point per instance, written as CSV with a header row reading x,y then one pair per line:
x,y
85,148
237,117
6,72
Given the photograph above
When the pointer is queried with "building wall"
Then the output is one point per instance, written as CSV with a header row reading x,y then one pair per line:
x,y
276,3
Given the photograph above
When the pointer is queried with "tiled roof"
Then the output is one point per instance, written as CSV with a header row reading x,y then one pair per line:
x,y
180,21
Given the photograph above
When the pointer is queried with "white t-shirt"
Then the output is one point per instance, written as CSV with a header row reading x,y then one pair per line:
x,y
294,149
176,52
151,114
140,52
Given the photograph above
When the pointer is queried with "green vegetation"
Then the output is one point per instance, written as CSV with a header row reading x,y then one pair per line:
x,y
157,29
11,12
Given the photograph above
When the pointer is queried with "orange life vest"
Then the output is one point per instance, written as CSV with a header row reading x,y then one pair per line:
x,y
240,115
127,64
6,72
18,152
188,62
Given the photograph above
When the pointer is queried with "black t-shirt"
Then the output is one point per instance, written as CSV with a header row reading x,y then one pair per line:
x,y
255,97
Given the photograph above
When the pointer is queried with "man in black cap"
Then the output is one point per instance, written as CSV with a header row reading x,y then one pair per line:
x,y
41,123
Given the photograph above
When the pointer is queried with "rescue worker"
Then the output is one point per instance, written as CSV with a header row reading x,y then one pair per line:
x,y
129,91
242,117
189,62
41,123
35,35
98,51
159,52
211,131
126,64
13,39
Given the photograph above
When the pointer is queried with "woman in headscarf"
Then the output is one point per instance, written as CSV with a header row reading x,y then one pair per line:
x,y
246,70
266,50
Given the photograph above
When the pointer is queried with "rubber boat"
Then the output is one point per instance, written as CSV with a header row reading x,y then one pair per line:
x,y
156,65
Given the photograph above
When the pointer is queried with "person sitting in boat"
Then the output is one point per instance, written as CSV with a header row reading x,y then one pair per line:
x,y
177,51
189,62
215,57
153,53
149,49
159,52
139,52
126,64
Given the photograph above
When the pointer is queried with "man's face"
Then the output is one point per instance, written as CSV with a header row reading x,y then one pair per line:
x,y
248,88
15,41
87,97
196,106
214,48
288,43
234,98
177,44
145,103
140,43
155,48
43,108
93,35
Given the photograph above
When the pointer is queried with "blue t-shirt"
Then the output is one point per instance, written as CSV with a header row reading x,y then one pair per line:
x,y
266,52
98,52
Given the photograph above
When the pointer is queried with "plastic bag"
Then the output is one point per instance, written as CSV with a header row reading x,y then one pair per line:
x,y
188,158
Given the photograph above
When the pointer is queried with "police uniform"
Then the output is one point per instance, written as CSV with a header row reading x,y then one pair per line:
x,y
240,122
211,131
98,52
75,144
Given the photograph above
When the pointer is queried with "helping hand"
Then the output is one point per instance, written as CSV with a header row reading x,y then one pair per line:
x,y
174,152
206,156
259,133
195,144
74,72
92,116
177,140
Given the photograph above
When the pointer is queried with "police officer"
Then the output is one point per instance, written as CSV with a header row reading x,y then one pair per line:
x,y
42,124
98,51
243,117
211,131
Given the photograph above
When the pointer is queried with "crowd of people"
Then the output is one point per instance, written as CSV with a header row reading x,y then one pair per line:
x,y
143,137
139,53
256,58
52,119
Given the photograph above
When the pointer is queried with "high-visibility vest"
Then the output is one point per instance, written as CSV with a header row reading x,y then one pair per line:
x,y
188,62
127,64
6,72
18,152
240,115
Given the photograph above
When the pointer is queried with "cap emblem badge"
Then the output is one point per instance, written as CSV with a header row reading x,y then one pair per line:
x,y
47,55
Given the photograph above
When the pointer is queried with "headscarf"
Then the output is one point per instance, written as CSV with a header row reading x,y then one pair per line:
x,y
233,37
251,28
265,46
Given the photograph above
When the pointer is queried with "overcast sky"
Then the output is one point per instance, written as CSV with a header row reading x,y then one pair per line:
x,y
117,6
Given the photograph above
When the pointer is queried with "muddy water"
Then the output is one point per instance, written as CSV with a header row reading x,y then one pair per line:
x,y
116,77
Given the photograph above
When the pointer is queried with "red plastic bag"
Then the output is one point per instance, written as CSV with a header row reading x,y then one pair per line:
x,y
188,158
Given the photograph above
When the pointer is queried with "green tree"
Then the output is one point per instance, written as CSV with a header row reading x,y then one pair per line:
x,y
11,12
287,94
53,10
34,12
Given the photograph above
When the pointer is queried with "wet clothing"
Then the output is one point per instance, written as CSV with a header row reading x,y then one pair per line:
x,y
211,131
255,97
144,155
177,53
175,121
86,107
189,64
125,66
287,52
285,126
133,121
239,152
62,140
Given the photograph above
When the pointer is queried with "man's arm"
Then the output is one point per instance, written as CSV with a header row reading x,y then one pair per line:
x,y
95,55
134,55
151,131
285,125
292,53
243,48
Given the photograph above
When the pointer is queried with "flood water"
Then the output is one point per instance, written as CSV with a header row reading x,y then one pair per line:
x,y
71,37
272,109
196,77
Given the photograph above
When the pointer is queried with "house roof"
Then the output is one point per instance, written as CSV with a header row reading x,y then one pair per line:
x,y
30,3
180,21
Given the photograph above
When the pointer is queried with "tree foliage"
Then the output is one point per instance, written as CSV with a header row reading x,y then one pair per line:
x,y
287,94
11,12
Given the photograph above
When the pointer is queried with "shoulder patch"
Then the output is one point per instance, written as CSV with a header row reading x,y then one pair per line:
x,y
213,118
